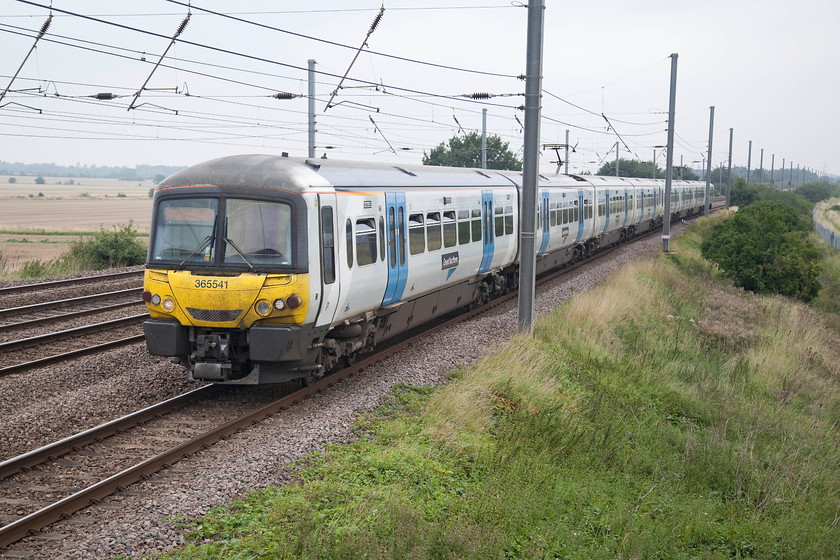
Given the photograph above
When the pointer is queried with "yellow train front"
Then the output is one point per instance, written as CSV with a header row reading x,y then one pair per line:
x,y
227,282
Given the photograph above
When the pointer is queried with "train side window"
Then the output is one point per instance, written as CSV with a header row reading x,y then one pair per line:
x,y
402,235
476,224
500,221
433,236
327,244
349,243
392,239
508,220
382,237
416,234
365,241
463,227
450,237
553,214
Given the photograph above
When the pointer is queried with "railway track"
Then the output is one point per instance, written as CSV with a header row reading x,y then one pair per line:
x,y
70,282
38,314
35,521
28,353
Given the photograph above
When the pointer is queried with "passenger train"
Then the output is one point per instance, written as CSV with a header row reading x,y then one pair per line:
x,y
264,269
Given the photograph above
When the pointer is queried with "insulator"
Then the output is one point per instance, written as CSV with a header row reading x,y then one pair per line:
x,y
284,95
106,96
376,20
479,95
45,26
183,25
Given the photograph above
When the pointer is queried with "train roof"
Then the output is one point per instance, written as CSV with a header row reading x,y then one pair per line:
x,y
304,174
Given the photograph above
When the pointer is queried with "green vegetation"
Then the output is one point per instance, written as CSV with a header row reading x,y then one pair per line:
x,y
466,152
663,415
636,168
765,247
94,251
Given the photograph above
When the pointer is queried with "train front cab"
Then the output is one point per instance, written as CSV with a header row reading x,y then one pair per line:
x,y
227,282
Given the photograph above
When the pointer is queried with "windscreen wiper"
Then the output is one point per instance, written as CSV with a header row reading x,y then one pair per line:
x,y
235,248
198,248
240,253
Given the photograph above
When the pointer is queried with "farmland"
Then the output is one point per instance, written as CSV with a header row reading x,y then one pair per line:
x,y
40,221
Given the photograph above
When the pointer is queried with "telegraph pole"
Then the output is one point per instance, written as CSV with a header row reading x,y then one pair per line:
x,y
729,173
530,167
616,159
669,161
311,64
749,162
709,161
772,169
567,151
484,138
761,167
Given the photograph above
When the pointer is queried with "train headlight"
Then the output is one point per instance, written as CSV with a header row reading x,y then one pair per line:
x,y
263,307
294,301
155,299
279,304
168,304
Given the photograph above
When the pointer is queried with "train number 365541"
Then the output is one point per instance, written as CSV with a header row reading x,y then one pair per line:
x,y
212,284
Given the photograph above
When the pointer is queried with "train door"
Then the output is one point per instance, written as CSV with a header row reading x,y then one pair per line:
x,y
546,225
488,237
581,211
626,205
607,210
330,286
396,235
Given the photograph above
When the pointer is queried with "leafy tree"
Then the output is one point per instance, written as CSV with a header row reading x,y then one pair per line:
x,y
39,180
765,248
815,192
12,180
630,168
465,151
742,193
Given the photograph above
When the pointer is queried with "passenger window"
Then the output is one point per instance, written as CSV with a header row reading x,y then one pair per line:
x,y
349,243
508,220
402,235
449,229
327,244
500,221
476,225
365,241
416,234
433,225
463,227
392,236
382,237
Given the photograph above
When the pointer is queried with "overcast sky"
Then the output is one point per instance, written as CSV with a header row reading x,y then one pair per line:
x,y
769,68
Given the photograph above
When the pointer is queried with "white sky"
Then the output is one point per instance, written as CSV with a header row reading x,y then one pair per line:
x,y
769,68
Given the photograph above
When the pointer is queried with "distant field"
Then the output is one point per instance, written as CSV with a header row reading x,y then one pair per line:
x,y
33,217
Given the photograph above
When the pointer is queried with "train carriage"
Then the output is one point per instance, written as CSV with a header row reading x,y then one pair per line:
x,y
263,269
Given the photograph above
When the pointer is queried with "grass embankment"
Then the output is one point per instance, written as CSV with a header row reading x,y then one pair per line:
x,y
663,415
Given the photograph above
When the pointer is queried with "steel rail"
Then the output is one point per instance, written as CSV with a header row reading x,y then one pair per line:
x,y
54,450
65,316
97,327
68,282
62,302
87,351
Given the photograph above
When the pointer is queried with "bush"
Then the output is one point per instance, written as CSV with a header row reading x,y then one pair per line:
x,y
765,248
110,249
